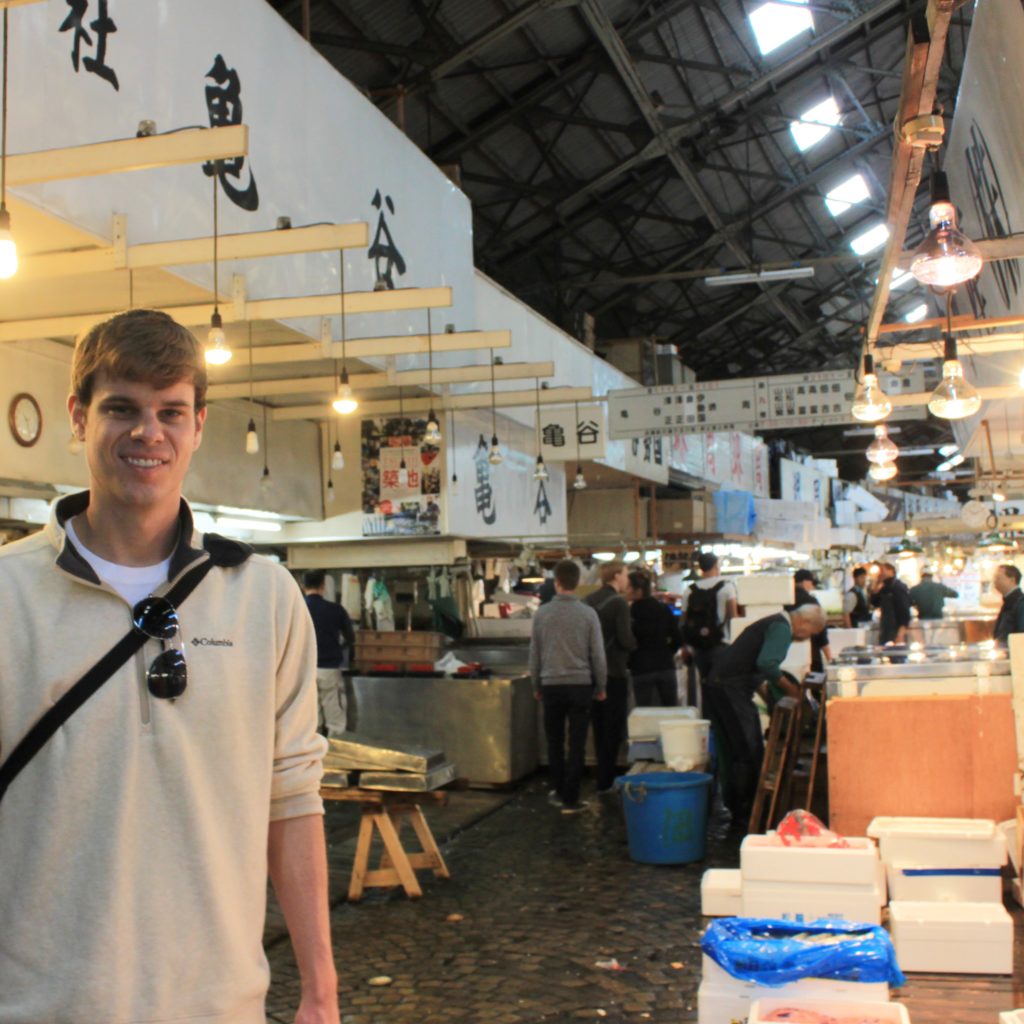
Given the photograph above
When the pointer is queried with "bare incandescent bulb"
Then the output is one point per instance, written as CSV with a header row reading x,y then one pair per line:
x,y
252,439
540,471
884,471
344,401
453,487
337,457
580,482
403,473
432,435
8,248
494,456
217,352
946,257
870,403
955,398
882,449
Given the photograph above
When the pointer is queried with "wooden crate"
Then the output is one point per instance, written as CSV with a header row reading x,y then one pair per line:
x,y
396,647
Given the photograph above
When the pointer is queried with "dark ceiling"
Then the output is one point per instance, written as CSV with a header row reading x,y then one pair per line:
x,y
616,152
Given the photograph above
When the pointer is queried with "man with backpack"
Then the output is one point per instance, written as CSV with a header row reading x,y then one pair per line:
x,y
711,603
617,630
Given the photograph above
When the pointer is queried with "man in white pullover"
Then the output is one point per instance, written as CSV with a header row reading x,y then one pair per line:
x,y
136,842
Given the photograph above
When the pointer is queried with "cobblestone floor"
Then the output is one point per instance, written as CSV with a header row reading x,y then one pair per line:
x,y
542,896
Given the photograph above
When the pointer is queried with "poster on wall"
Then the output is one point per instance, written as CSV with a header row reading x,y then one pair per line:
x,y
401,477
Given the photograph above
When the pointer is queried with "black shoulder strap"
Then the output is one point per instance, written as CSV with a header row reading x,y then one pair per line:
x,y
34,740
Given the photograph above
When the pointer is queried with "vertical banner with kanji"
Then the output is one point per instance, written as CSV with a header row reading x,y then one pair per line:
x,y
401,479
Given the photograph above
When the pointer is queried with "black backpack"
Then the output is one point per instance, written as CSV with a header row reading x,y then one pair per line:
x,y
701,628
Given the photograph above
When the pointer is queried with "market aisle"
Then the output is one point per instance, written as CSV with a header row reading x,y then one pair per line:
x,y
543,899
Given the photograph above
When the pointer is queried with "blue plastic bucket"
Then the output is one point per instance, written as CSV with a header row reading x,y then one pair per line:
x,y
666,815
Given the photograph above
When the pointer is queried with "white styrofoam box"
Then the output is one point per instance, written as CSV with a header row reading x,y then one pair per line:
x,y
1012,1017
789,511
1009,830
839,638
910,882
954,938
766,859
754,612
794,900
939,842
846,537
765,588
644,723
884,1013
720,893
844,513
721,1005
721,988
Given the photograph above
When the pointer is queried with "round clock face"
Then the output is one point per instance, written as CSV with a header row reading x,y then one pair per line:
x,y
974,513
25,419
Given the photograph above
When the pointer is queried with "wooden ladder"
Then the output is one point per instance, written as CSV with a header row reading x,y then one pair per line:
x,y
777,766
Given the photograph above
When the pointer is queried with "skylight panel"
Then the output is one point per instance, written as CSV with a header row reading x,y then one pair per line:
x,y
917,313
775,24
846,194
900,278
869,240
815,124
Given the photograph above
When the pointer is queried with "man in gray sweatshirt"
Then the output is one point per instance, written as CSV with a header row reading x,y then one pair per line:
x,y
567,665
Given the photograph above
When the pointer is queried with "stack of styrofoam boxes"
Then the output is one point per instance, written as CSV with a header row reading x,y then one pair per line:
x,y
721,997
761,595
643,727
945,889
811,882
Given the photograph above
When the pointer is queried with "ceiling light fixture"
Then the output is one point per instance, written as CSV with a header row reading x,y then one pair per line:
x,y
579,482
344,401
758,276
453,487
540,471
884,471
494,456
217,350
955,398
433,432
946,257
252,439
8,248
265,481
870,403
882,449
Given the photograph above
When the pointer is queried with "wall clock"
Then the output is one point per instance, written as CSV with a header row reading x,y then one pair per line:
x,y
25,419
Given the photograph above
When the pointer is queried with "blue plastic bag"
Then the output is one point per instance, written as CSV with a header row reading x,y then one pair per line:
x,y
734,512
773,952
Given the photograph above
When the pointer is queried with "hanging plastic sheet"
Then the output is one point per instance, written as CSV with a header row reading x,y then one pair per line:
x,y
734,512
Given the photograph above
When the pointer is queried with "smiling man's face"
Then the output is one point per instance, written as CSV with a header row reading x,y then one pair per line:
x,y
138,441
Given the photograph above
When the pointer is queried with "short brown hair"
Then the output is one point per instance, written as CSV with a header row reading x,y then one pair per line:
x,y
143,345
567,574
609,570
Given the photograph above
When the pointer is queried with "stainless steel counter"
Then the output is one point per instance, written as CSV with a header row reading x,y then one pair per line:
x,y
488,727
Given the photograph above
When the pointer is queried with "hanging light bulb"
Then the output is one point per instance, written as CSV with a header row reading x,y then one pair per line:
x,y
954,398
885,471
453,487
265,480
217,351
433,431
946,257
74,444
8,248
998,495
252,439
403,473
330,492
870,403
580,482
540,471
494,456
882,449
344,401
337,457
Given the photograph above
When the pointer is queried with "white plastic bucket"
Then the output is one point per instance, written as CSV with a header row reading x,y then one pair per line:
x,y
684,743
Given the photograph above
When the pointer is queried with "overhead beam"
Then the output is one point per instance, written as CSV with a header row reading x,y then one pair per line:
x,y
479,372
503,400
965,322
257,309
17,3
196,145
989,394
393,345
248,245
909,351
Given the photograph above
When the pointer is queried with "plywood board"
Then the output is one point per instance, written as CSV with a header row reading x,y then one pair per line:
x,y
938,756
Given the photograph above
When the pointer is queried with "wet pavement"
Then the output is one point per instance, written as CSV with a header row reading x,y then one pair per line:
x,y
545,918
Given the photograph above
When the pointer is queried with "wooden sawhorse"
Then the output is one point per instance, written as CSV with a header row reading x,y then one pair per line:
x,y
386,811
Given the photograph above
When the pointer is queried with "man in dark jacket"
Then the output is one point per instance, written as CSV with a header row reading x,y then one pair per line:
x,y
929,596
856,609
753,659
617,630
1011,615
893,598
653,664
334,633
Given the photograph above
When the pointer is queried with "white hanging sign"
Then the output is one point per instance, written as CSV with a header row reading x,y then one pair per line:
x,y
571,434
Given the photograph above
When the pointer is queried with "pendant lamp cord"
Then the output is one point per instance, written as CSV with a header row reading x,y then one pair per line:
x,y
3,128
341,280
216,289
494,414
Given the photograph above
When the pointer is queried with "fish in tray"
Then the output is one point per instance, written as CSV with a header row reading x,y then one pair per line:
x,y
350,751
409,782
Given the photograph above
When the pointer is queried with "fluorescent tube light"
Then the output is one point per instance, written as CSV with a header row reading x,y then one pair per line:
x,y
759,276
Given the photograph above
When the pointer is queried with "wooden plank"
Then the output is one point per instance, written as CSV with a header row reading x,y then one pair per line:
x,y
138,154
361,861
